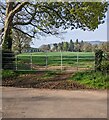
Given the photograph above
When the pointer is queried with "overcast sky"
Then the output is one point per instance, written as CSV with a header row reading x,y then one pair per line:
x,y
99,34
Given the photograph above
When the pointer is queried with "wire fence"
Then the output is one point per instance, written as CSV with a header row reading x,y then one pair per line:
x,y
54,61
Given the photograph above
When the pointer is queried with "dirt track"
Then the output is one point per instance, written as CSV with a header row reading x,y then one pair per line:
x,y
36,103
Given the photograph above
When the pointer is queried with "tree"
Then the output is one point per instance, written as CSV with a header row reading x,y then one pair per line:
x,y
47,16
11,10
60,47
65,46
95,47
81,45
76,42
55,47
104,46
71,46
20,41
49,47
77,46
87,47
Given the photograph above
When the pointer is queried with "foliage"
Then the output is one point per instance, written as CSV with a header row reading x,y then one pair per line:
x,y
105,67
92,79
78,46
11,74
104,46
8,74
65,46
98,59
71,46
86,47
20,41
47,17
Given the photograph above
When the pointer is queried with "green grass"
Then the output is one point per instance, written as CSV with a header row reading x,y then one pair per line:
x,y
8,74
92,79
86,59
57,53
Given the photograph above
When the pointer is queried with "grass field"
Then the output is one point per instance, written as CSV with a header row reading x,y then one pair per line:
x,y
82,59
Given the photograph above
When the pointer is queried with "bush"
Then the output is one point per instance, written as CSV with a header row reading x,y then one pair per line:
x,y
105,67
8,74
98,59
92,79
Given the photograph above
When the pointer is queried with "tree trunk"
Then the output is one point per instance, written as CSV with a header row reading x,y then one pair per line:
x,y
11,10
7,38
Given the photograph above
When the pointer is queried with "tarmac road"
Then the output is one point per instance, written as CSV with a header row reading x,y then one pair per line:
x,y
43,103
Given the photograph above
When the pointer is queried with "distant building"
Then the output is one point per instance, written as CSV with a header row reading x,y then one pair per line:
x,y
31,50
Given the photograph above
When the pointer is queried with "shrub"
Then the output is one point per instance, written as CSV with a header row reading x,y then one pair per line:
x,y
98,59
92,79
8,74
105,67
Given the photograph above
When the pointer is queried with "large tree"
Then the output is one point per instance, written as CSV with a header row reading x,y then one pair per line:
x,y
46,17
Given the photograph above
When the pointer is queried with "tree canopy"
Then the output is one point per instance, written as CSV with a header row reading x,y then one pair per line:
x,y
49,17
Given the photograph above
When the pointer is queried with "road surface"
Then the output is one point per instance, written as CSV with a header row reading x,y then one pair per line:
x,y
43,103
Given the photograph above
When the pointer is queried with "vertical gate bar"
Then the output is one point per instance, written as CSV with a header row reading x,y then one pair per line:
x,y
31,62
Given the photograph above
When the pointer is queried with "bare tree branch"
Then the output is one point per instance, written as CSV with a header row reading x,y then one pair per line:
x,y
26,23
23,32
44,30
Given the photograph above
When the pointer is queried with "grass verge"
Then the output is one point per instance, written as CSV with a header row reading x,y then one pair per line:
x,y
8,74
92,79
12,74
